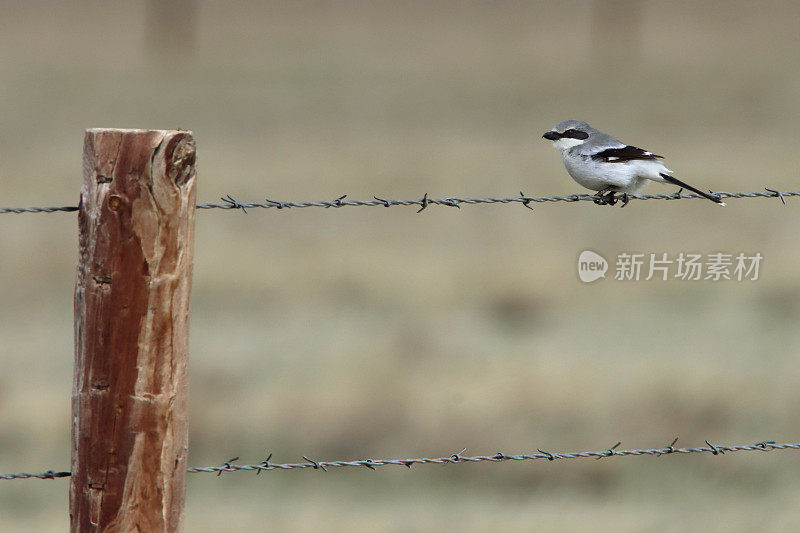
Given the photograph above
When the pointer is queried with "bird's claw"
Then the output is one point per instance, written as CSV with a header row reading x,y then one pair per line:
x,y
605,197
609,197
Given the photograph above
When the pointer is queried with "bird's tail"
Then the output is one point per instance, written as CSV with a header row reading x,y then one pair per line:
x,y
679,183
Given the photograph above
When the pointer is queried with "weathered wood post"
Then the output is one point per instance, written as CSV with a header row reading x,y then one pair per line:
x,y
129,427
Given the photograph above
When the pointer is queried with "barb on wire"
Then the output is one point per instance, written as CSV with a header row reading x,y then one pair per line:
x,y
234,204
228,202
671,447
424,203
525,200
226,466
338,201
610,451
779,194
265,464
458,458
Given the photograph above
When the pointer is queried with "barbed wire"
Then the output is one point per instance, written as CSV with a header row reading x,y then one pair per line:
x,y
18,210
456,458
43,475
228,202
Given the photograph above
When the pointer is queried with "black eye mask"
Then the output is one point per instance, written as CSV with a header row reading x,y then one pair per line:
x,y
575,134
568,134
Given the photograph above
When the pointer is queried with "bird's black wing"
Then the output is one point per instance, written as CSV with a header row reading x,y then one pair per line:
x,y
620,155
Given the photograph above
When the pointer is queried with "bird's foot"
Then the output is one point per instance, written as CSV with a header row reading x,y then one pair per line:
x,y
605,197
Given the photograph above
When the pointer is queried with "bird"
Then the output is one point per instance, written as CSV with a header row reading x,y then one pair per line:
x,y
604,164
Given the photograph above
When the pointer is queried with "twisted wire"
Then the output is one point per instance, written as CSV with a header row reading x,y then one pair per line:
x,y
19,210
42,475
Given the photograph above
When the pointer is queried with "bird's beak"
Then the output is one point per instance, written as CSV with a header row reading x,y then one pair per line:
x,y
551,136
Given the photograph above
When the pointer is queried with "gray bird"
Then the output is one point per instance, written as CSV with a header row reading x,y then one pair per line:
x,y
602,163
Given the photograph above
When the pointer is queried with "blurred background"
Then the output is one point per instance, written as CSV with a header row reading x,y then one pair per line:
x,y
381,333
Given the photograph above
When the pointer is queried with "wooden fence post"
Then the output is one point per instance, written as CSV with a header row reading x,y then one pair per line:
x,y
129,427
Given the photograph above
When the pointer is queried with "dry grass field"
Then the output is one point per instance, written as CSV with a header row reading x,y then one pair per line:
x,y
379,333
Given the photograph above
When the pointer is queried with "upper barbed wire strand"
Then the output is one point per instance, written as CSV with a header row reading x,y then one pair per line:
x,y
449,201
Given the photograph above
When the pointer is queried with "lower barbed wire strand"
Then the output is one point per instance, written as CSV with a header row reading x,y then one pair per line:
x,y
499,457
229,466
